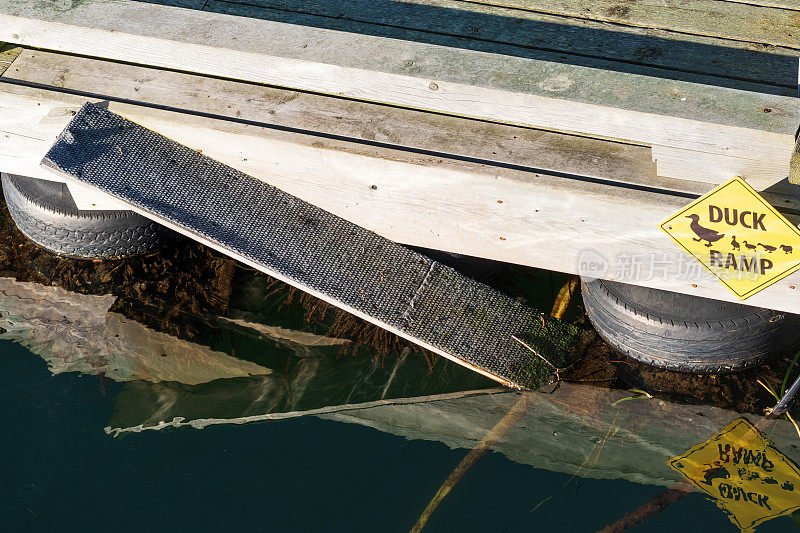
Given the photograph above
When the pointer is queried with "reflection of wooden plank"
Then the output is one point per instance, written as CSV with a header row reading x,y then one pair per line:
x,y
76,333
300,338
548,95
138,352
576,430
432,202
738,21
501,30
180,421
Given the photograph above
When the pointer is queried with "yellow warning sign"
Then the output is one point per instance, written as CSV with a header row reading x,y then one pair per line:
x,y
748,478
737,236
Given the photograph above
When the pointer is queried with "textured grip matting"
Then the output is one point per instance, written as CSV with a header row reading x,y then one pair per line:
x,y
312,249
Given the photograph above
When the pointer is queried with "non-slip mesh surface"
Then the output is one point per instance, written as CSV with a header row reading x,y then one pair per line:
x,y
428,302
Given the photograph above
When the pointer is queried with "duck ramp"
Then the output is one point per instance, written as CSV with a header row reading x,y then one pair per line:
x,y
345,265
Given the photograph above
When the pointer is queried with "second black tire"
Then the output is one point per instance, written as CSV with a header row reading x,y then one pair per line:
x,y
45,212
687,333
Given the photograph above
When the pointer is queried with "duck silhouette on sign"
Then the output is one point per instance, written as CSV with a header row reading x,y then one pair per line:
x,y
715,472
786,248
750,246
768,247
704,234
734,243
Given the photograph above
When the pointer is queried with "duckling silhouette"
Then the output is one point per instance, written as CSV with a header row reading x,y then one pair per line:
x,y
786,248
750,246
734,242
704,234
768,247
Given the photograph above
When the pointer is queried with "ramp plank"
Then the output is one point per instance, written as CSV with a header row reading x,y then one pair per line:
x,y
354,269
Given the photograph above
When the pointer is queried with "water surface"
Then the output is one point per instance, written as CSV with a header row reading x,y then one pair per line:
x,y
182,391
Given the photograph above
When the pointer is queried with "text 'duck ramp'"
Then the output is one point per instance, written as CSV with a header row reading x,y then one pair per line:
x,y
348,266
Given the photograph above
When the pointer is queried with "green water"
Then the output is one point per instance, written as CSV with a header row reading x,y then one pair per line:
x,y
393,431
63,473
182,392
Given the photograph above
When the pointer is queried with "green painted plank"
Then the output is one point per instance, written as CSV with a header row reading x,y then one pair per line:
x,y
548,77
540,36
714,18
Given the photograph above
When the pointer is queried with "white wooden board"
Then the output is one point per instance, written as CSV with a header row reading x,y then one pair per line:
x,y
520,217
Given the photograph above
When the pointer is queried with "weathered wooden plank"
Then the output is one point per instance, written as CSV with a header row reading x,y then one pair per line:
x,y
433,202
461,82
531,34
713,168
794,175
510,145
222,38
730,20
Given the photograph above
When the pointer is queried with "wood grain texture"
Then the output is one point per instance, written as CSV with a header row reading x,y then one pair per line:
x,y
474,209
509,145
372,123
532,34
549,95
716,18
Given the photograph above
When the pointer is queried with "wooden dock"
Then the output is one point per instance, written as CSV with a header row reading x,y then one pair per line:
x,y
519,130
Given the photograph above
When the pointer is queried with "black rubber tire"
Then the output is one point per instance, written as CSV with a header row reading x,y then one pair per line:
x,y
45,212
687,333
